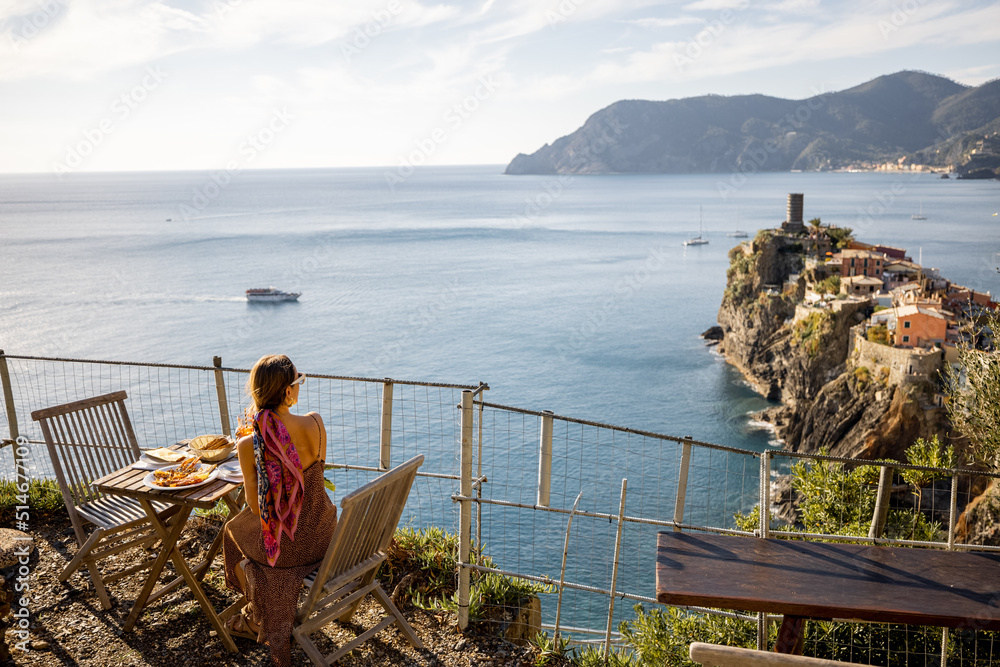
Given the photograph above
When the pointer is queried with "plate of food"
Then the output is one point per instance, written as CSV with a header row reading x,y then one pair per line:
x,y
188,475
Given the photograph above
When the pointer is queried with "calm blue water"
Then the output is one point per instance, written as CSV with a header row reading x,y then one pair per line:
x,y
573,295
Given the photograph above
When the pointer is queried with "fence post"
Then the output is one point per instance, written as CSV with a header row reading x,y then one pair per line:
x,y
952,511
545,460
562,570
479,478
465,515
764,528
385,438
614,571
881,513
8,398
765,494
220,389
682,484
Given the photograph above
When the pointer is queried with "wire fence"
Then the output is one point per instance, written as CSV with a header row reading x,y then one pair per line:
x,y
372,424
569,504
620,487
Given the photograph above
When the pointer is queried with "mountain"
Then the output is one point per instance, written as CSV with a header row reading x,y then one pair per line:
x,y
908,114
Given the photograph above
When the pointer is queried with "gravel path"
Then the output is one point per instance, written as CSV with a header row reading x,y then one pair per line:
x,y
70,628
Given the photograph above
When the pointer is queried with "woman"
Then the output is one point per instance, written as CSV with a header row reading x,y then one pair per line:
x,y
282,464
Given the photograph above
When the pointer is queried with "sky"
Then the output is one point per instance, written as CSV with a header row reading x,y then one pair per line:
x,y
120,85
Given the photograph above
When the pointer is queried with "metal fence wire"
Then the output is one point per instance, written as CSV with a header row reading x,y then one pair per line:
x,y
566,508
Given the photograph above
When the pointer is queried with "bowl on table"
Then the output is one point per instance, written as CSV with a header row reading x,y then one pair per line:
x,y
212,448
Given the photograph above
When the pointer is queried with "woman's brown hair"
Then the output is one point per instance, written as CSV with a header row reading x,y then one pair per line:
x,y
269,378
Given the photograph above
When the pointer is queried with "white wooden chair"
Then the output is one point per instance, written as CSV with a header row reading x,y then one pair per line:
x,y
87,440
368,519
716,655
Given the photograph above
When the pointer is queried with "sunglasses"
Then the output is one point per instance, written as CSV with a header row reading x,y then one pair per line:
x,y
300,379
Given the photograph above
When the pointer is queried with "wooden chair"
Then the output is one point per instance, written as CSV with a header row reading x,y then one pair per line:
x,y
715,655
368,519
87,440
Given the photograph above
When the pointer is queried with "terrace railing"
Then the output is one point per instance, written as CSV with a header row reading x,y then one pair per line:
x,y
570,503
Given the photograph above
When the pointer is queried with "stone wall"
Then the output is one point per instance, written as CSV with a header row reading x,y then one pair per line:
x,y
906,366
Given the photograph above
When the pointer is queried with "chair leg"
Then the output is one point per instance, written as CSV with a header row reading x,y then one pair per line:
x,y
310,648
400,621
81,554
95,576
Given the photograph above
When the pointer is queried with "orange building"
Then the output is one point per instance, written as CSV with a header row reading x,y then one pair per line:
x,y
918,326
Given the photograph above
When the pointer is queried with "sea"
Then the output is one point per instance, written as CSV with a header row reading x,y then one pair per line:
x,y
574,294
566,293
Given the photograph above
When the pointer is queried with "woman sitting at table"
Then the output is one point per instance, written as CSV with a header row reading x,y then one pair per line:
x,y
282,464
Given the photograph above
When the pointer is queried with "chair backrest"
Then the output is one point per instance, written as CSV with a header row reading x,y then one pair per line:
x,y
368,519
87,439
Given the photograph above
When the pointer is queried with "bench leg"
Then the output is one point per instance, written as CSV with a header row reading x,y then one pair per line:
x,y
791,635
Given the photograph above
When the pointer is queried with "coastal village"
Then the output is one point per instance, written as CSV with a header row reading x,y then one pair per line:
x,y
850,338
918,317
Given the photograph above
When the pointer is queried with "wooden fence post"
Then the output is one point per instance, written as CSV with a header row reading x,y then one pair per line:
x,y
682,484
220,390
465,515
545,460
385,435
8,399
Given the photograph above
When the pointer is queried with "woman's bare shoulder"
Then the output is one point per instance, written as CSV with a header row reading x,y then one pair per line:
x,y
311,417
245,444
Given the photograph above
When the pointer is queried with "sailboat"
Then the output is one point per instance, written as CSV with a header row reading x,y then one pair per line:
x,y
737,234
919,216
697,240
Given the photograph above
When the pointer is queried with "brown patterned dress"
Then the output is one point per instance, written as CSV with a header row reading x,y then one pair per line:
x,y
274,591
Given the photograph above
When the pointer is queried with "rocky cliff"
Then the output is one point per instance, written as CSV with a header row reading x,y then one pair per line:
x,y
802,360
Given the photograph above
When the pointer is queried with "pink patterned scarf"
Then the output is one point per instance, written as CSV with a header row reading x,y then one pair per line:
x,y
279,482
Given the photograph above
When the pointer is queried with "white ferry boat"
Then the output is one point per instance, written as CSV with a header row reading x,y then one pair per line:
x,y
271,295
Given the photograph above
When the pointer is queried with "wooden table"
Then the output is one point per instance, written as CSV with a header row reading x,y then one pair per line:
x,y
128,482
825,580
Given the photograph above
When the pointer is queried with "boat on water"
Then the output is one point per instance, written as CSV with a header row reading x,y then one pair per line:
x,y
698,240
737,233
271,295
920,215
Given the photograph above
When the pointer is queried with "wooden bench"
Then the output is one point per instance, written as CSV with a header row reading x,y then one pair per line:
x,y
715,655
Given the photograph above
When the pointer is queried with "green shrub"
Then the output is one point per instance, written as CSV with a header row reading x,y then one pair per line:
x,y
425,562
829,285
862,376
878,334
810,330
428,557
43,496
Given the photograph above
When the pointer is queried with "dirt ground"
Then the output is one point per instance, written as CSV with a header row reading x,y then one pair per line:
x,y
68,626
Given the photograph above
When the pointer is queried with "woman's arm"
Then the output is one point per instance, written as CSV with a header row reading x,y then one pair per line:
x,y
244,449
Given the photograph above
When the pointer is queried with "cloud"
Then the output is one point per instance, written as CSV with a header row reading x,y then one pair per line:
x,y
716,5
96,36
742,45
792,6
664,23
